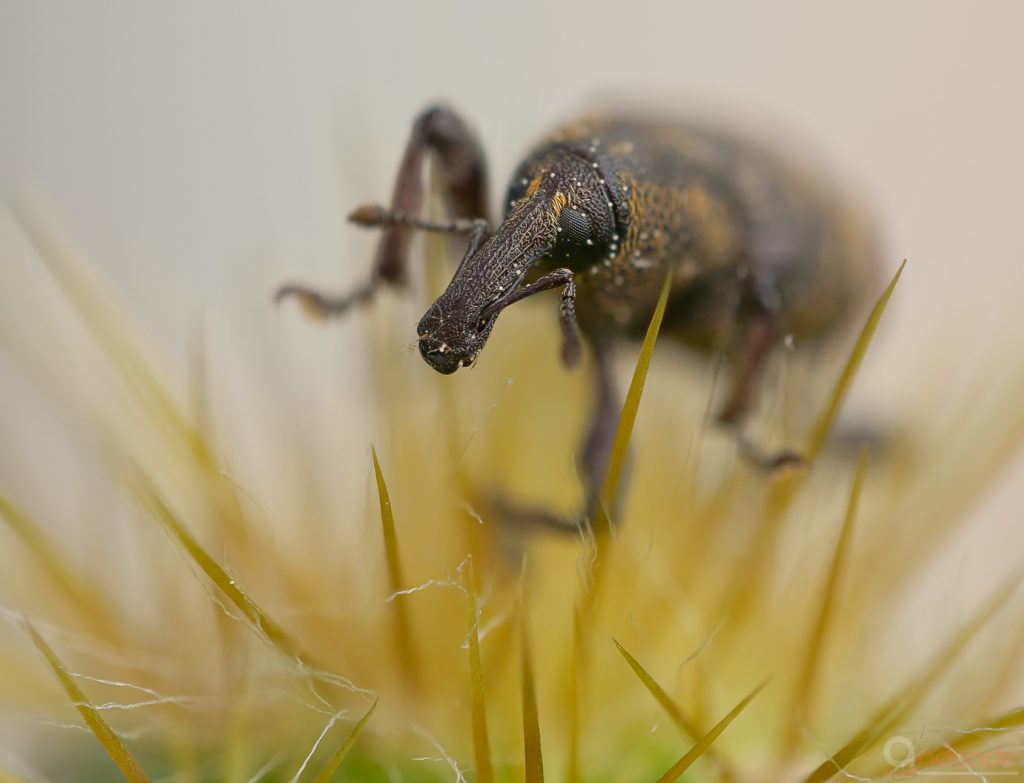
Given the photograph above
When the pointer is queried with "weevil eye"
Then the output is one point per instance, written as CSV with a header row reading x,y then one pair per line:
x,y
579,241
574,228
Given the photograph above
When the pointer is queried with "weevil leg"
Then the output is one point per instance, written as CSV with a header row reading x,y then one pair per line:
x,y
463,180
593,456
529,518
593,459
572,347
769,462
322,306
440,131
600,434
756,345
758,340
376,216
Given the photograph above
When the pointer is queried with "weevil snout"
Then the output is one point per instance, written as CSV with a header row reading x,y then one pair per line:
x,y
440,355
447,344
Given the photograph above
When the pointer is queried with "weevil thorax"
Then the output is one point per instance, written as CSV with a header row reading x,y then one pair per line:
x,y
564,204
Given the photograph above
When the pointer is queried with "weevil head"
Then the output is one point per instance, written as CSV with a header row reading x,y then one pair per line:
x,y
585,220
563,209
455,328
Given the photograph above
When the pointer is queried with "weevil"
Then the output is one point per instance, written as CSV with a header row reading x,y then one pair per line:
x,y
604,209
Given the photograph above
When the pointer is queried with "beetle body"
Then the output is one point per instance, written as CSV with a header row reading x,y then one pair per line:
x,y
604,209
741,232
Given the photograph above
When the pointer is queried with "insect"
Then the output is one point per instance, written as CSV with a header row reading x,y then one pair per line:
x,y
603,209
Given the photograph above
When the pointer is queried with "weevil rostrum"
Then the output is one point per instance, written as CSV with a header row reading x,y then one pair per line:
x,y
603,209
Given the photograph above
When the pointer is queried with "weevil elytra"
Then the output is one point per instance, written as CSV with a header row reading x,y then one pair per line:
x,y
604,209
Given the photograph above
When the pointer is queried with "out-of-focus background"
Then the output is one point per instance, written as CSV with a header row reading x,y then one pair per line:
x,y
205,152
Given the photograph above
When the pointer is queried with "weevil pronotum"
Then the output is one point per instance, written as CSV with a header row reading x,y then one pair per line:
x,y
604,209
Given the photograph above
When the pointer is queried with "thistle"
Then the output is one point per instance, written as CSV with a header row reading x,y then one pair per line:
x,y
240,611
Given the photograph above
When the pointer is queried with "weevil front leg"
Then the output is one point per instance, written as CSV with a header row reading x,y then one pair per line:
x,y
440,131
600,435
572,347
320,305
593,458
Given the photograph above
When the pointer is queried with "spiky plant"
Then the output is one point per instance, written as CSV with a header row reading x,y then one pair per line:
x,y
727,626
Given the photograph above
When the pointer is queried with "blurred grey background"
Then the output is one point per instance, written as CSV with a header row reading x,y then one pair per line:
x,y
198,147
204,152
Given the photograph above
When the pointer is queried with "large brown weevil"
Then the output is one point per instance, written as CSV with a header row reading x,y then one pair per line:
x,y
604,209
